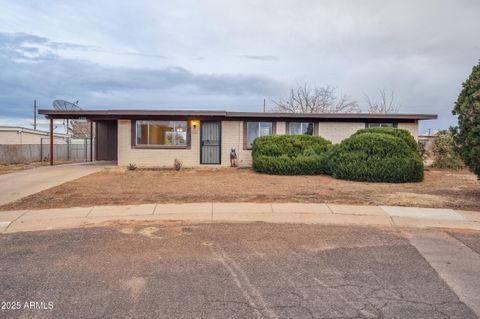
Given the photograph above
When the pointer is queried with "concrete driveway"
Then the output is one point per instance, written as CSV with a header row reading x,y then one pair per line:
x,y
255,270
16,185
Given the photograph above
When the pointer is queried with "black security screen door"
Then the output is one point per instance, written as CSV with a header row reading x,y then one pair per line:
x,y
210,142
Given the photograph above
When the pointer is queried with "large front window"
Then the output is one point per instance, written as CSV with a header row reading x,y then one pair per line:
x,y
300,128
161,133
256,129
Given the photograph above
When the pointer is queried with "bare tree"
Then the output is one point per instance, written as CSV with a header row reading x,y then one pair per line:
x,y
384,105
304,99
79,129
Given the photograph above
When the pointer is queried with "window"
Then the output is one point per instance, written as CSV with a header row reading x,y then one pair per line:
x,y
300,128
381,125
256,129
161,133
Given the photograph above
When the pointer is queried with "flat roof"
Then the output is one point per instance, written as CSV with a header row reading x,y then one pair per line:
x,y
19,129
138,113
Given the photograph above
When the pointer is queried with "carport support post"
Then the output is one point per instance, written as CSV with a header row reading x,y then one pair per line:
x,y
91,141
51,141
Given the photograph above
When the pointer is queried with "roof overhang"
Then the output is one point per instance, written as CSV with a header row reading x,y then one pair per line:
x,y
198,114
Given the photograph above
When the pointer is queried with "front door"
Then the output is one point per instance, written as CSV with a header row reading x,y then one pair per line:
x,y
210,142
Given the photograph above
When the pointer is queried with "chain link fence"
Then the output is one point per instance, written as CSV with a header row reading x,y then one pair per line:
x,y
75,150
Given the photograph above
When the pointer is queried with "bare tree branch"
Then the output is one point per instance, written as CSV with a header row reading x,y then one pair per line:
x,y
384,105
303,99
79,129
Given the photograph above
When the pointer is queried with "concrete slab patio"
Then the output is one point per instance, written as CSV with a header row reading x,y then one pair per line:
x,y
16,185
303,213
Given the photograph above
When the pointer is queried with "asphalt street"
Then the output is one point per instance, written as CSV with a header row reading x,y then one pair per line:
x,y
256,270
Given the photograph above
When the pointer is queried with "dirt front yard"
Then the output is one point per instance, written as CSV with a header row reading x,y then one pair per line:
x,y
439,189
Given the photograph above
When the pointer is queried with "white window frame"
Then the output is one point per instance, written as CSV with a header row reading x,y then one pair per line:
x,y
249,146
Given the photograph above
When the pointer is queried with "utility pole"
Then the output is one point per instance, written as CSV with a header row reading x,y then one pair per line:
x,y
35,114
263,105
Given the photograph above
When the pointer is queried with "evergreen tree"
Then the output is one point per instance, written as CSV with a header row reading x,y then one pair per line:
x,y
467,133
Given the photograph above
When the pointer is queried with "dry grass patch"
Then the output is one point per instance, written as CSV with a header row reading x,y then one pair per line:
x,y
117,187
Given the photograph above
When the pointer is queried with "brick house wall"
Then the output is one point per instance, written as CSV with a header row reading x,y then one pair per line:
x,y
232,136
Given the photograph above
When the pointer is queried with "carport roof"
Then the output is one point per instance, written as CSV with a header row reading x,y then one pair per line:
x,y
116,114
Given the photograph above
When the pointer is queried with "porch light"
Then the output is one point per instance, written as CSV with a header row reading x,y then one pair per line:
x,y
194,123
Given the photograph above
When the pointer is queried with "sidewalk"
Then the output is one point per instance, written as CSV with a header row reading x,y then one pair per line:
x,y
394,216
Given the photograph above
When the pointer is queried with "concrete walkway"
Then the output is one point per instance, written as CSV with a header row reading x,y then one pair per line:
x,y
14,186
31,220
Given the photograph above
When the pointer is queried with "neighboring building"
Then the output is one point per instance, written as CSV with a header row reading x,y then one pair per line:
x,y
426,141
20,136
156,137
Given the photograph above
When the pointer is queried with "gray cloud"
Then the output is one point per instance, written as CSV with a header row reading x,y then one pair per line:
x,y
261,57
48,75
147,53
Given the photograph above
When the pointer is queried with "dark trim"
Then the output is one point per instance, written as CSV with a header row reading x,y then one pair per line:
x,y
91,141
51,141
133,124
220,146
245,142
223,115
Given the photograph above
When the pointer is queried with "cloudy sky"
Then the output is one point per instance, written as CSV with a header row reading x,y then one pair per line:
x,y
215,54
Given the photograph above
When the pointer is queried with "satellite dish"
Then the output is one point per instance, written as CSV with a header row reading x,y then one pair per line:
x,y
65,105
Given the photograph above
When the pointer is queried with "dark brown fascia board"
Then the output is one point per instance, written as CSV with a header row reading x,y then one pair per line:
x,y
331,116
138,114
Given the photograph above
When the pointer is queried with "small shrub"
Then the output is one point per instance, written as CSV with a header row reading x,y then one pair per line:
x,y
376,157
177,164
422,151
131,167
444,153
290,154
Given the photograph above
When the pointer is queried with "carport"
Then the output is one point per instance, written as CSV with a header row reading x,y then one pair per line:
x,y
105,132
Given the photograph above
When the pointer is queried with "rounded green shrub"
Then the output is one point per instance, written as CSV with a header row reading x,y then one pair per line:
x,y
376,156
290,154
400,133
285,165
289,145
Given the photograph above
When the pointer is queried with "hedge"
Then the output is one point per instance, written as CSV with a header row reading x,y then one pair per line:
x,y
400,133
376,156
290,154
289,145
373,155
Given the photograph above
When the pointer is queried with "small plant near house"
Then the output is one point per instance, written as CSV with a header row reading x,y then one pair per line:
x,y
177,164
444,153
422,151
131,167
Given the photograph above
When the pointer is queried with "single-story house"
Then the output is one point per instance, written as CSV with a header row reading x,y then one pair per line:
x,y
156,138
15,135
